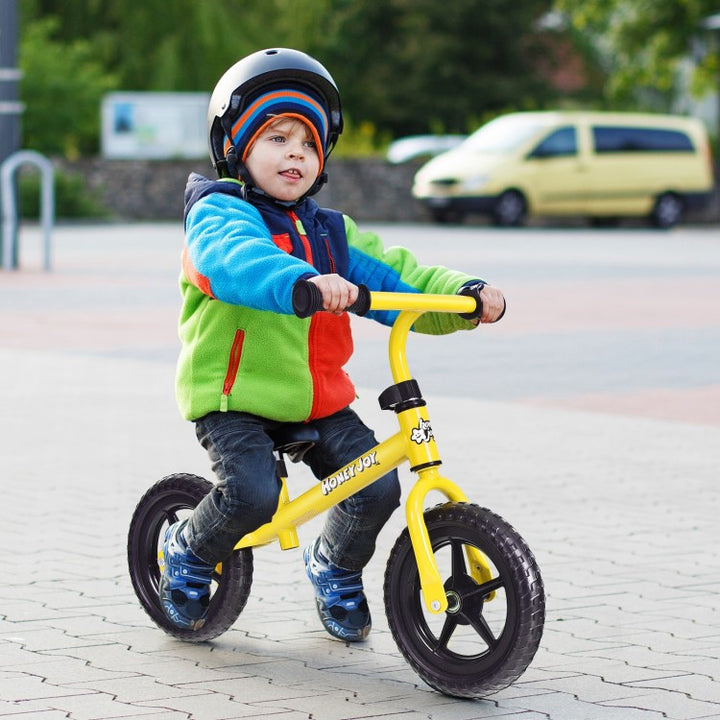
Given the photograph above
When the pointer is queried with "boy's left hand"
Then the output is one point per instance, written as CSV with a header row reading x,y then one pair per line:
x,y
493,304
491,299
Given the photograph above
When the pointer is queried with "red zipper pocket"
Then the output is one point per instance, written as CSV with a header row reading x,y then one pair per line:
x,y
233,365
332,259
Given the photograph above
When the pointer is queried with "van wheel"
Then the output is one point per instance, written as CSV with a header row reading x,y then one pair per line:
x,y
510,209
668,211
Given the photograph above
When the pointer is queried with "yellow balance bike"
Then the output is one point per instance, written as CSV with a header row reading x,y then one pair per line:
x,y
464,598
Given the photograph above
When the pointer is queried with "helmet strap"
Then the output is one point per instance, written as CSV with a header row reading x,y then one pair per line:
x,y
321,179
231,161
237,169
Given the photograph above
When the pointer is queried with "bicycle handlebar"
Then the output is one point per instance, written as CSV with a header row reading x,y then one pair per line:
x,y
307,300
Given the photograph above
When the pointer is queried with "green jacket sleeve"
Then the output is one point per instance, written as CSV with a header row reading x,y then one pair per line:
x,y
396,269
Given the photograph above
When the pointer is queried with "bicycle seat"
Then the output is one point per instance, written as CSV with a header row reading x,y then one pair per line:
x,y
294,439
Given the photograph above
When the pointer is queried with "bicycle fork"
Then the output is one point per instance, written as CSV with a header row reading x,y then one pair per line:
x,y
424,461
406,400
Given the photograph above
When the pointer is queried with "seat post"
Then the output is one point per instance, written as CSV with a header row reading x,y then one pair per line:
x,y
287,538
280,466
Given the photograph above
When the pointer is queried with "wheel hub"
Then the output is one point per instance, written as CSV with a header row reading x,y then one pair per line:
x,y
454,602
462,598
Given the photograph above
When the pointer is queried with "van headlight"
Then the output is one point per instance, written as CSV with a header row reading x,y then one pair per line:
x,y
474,183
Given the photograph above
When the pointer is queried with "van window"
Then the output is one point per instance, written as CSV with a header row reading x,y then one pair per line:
x,y
502,135
561,142
637,139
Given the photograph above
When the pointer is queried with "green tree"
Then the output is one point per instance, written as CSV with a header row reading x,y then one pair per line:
x,y
179,45
62,87
403,66
414,66
644,46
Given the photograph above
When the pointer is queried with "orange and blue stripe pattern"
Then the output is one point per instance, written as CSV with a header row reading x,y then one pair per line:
x,y
286,102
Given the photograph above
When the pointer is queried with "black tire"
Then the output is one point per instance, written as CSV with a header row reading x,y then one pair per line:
x,y
510,209
164,503
479,645
668,211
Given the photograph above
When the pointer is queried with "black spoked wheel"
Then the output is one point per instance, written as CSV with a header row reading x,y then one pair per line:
x,y
169,500
491,630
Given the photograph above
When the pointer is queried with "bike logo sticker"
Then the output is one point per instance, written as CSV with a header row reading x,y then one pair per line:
x,y
422,433
361,464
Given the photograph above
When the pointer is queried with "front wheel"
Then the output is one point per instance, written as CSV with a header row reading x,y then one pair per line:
x,y
490,631
510,209
169,500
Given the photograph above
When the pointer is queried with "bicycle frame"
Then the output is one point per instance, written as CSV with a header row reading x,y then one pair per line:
x,y
414,443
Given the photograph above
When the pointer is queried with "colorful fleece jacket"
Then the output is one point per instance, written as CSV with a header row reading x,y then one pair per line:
x,y
242,347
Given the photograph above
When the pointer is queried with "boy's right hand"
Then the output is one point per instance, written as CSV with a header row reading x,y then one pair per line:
x,y
337,292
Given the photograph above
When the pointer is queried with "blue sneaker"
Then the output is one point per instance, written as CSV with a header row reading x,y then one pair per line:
x,y
341,602
184,581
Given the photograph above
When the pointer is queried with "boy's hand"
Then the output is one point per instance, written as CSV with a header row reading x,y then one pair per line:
x,y
337,293
493,303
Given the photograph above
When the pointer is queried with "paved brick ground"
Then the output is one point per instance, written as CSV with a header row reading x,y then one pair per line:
x,y
620,505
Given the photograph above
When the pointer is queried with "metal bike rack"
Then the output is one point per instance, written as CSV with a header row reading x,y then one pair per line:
x,y
9,234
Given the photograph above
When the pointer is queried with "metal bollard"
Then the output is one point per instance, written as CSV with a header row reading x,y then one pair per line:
x,y
10,209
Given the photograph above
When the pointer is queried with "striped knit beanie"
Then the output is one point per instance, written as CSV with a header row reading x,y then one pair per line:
x,y
297,102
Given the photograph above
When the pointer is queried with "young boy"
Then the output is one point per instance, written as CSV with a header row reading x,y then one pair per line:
x,y
248,364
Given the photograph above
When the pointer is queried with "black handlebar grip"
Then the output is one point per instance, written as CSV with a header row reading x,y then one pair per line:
x,y
361,306
472,291
307,299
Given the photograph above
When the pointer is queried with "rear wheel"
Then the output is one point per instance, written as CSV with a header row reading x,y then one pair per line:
x,y
169,500
491,630
668,211
510,209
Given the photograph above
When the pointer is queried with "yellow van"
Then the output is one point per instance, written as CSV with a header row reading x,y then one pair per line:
x,y
599,165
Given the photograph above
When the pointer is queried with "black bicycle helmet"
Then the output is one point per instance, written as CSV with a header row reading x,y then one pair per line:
x,y
262,85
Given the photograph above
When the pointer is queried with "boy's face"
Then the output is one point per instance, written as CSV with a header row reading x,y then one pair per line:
x,y
283,160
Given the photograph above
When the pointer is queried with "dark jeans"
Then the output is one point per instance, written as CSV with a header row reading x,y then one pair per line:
x,y
246,495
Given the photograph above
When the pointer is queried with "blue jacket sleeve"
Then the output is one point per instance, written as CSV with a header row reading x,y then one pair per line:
x,y
232,256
